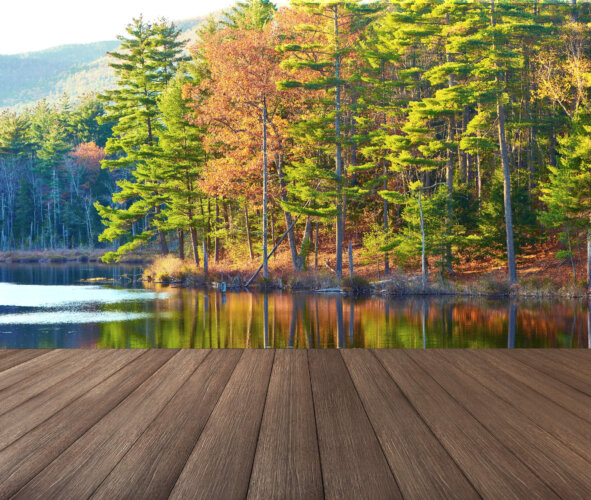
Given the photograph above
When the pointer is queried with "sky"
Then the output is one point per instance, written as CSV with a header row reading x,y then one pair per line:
x,y
29,25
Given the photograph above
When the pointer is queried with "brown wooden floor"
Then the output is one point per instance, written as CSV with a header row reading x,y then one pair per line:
x,y
295,424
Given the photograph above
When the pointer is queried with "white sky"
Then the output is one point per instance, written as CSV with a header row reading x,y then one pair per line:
x,y
27,25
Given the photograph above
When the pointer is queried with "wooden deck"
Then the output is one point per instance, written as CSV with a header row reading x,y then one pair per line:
x,y
269,424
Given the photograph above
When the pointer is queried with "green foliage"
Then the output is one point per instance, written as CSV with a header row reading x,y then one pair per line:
x,y
491,239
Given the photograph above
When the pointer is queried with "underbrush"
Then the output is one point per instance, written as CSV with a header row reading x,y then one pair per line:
x,y
169,269
399,284
309,280
356,286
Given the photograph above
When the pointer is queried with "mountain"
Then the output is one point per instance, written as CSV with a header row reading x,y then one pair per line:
x,y
76,70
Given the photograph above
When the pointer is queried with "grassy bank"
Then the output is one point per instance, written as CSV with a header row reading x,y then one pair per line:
x,y
400,282
60,256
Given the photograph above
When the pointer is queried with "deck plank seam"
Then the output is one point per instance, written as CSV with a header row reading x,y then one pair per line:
x,y
524,362
52,368
558,438
207,422
534,472
371,424
90,428
315,424
203,428
427,425
35,374
558,403
131,445
26,360
261,423
73,402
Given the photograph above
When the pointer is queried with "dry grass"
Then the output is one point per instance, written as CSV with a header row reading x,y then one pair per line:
x,y
170,269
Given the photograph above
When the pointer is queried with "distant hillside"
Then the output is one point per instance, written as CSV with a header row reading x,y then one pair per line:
x,y
74,69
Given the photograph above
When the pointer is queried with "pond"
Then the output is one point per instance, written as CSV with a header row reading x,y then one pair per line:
x,y
94,305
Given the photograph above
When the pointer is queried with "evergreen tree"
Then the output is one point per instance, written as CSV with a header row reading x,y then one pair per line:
x,y
144,64
180,158
336,25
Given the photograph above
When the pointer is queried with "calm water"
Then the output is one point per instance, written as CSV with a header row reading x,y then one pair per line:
x,y
90,305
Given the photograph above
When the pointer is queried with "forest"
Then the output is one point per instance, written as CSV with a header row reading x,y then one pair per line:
x,y
424,132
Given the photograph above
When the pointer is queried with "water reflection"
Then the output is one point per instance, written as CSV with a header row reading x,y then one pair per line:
x,y
73,314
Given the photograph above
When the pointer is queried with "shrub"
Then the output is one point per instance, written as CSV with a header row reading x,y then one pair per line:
x,y
313,281
356,285
492,284
168,269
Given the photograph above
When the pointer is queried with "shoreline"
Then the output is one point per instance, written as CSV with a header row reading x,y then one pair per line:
x,y
64,256
398,284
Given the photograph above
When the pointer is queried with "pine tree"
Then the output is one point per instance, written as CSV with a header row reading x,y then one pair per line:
x,y
337,25
180,157
145,63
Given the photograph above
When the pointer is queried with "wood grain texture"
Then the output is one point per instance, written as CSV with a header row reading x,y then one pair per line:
x,y
573,431
27,456
287,462
553,462
422,467
80,469
555,367
21,356
27,372
17,394
491,468
566,396
222,460
152,465
32,412
353,463
295,424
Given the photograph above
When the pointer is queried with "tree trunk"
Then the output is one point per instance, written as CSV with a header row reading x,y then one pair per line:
x,y
316,249
351,272
506,177
205,259
288,219
181,244
449,181
507,194
248,230
386,222
265,182
589,260
195,246
338,157
306,240
449,172
424,270
216,242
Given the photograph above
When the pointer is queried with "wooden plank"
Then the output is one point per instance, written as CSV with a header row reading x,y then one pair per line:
x,y
26,457
554,367
152,465
353,463
75,361
422,467
569,398
287,463
577,359
21,356
553,462
31,370
221,462
80,469
31,413
489,466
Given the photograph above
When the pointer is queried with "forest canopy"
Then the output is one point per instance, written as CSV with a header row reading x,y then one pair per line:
x,y
427,131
